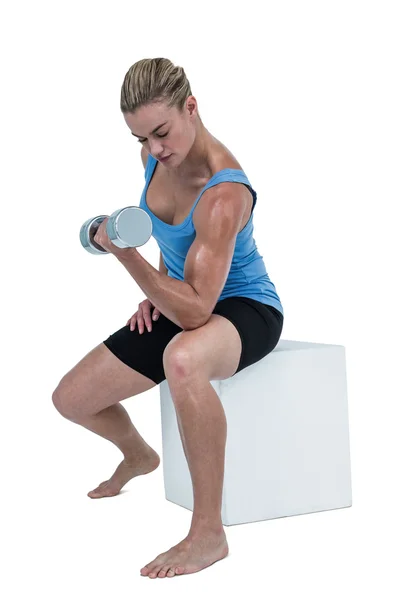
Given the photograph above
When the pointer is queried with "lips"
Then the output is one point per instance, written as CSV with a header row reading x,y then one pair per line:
x,y
164,158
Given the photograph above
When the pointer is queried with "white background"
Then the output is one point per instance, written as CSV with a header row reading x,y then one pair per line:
x,y
306,96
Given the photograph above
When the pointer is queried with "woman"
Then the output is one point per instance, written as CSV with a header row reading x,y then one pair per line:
x,y
215,309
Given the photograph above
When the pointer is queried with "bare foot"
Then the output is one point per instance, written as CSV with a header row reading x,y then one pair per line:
x,y
125,471
189,556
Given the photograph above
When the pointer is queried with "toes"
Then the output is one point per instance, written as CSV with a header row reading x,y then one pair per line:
x,y
147,569
168,571
154,572
161,571
105,489
152,568
159,567
174,571
103,492
99,488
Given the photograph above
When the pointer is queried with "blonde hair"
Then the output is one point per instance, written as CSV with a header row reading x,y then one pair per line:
x,y
154,80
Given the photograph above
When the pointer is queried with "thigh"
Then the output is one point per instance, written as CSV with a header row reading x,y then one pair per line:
x,y
97,381
144,352
125,364
212,350
259,326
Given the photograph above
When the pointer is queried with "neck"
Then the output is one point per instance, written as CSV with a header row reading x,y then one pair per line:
x,y
197,161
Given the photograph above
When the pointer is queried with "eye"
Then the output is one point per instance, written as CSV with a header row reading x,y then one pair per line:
x,y
161,136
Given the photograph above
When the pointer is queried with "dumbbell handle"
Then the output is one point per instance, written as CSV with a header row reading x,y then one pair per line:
x,y
127,227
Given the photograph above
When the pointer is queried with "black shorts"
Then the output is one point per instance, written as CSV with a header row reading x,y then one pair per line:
x,y
259,326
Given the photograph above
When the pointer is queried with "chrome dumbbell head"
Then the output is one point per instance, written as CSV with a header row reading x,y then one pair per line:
x,y
87,233
129,227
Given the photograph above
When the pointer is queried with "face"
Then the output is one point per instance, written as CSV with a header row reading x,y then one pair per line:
x,y
174,138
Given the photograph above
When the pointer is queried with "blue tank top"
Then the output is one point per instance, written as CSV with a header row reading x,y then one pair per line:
x,y
247,275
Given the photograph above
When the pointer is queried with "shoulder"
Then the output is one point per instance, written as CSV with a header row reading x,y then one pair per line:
x,y
221,207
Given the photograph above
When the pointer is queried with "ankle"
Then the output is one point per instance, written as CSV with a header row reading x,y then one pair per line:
x,y
147,455
134,447
201,528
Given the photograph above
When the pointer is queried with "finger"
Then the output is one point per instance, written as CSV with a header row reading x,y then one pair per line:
x,y
133,322
140,322
147,319
156,314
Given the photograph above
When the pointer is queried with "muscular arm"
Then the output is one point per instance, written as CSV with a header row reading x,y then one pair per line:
x,y
217,220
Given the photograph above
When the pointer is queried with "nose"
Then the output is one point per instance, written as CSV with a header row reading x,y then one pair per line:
x,y
156,150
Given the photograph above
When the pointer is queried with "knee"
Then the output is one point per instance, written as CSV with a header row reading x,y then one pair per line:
x,y
63,399
178,360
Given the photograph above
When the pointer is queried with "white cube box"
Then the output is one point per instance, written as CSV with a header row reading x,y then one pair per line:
x,y
287,450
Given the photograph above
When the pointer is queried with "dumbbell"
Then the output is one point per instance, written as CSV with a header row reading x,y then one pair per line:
x,y
127,228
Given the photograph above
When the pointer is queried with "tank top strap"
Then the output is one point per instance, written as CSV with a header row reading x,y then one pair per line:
x,y
236,175
150,166
233,175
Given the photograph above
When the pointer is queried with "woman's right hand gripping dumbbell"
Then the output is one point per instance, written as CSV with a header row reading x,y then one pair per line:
x,y
143,317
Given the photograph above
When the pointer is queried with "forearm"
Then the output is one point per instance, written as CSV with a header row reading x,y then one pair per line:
x,y
175,299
